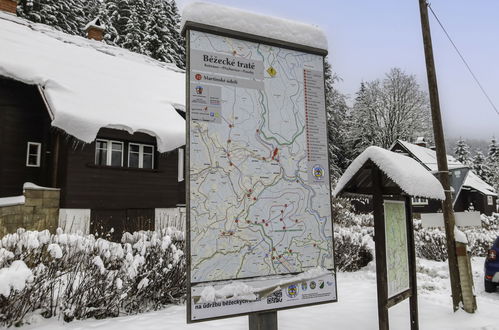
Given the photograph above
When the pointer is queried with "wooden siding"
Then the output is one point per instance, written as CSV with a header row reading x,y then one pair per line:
x,y
85,185
111,224
23,118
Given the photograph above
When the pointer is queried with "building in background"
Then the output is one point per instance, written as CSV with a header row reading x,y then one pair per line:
x,y
100,123
469,191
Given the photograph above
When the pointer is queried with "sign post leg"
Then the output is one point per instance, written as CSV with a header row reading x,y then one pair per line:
x,y
263,321
413,302
380,246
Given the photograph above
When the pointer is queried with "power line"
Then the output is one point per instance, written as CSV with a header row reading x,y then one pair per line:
x,y
464,61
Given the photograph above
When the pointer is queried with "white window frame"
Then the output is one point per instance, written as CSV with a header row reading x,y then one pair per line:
x,y
490,200
38,154
180,169
141,154
109,150
419,201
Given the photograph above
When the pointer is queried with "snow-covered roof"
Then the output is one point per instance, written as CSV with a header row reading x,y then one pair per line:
x,y
89,85
428,156
95,23
255,24
404,171
473,181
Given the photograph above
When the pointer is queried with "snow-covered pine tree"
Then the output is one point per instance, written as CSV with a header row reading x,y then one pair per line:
x,y
479,166
163,40
336,111
133,32
149,27
462,152
65,15
492,163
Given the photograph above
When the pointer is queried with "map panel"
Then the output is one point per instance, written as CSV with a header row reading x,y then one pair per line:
x,y
397,254
259,188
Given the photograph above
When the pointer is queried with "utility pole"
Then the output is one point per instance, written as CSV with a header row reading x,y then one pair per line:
x,y
443,170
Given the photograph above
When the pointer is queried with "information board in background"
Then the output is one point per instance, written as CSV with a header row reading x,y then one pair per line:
x,y
397,253
259,191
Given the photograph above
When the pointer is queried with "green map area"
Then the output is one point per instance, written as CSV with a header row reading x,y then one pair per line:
x,y
397,257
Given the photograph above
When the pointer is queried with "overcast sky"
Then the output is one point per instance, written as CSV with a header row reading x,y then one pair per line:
x,y
367,38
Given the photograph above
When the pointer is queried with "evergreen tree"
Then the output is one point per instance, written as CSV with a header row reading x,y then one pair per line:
x,y
65,15
149,27
479,166
492,163
462,152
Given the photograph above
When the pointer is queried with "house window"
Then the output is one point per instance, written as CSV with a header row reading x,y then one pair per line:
x,y
33,154
458,174
108,153
490,200
419,201
140,155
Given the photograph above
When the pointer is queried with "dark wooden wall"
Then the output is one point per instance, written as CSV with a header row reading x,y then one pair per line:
x,y
477,199
23,118
85,185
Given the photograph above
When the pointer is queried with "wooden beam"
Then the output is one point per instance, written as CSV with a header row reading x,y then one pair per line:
x,y
380,247
413,300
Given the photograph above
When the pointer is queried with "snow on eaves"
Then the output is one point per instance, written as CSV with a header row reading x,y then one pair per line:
x,y
89,85
406,172
475,182
255,24
428,156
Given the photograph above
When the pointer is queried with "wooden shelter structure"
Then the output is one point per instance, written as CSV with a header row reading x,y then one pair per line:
x,y
392,180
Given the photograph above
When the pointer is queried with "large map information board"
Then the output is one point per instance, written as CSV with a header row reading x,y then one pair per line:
x,y
259,191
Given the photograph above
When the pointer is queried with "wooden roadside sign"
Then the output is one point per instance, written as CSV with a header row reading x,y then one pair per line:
x,y
390,178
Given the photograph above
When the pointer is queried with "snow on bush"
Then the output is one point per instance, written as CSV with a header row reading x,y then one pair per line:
x,y
75,276
354,238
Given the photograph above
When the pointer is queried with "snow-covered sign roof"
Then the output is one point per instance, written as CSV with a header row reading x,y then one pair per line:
x,y
473,181
428,156
255,24
404,171
89,85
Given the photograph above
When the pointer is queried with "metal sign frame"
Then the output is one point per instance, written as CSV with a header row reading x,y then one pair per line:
x,y
268,314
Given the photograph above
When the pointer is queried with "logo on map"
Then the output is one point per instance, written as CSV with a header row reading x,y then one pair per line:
x,y
199,90
292,291
312,285
318,172
198,76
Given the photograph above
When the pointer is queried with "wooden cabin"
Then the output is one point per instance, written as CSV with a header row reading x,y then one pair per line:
x,y
103,125
469,192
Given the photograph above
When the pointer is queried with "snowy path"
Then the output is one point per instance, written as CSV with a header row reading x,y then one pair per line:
x,y
356,309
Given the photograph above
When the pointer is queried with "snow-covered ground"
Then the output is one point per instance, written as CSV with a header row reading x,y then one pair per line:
x,y
355,310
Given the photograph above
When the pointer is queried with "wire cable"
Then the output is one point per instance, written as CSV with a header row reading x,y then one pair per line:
x,y
462,58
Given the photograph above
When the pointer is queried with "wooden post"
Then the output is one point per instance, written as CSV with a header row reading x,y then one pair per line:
x,y
443,170
380,247
263,321
413,300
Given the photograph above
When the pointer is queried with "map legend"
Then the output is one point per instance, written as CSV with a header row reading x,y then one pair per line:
x,y
315,124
